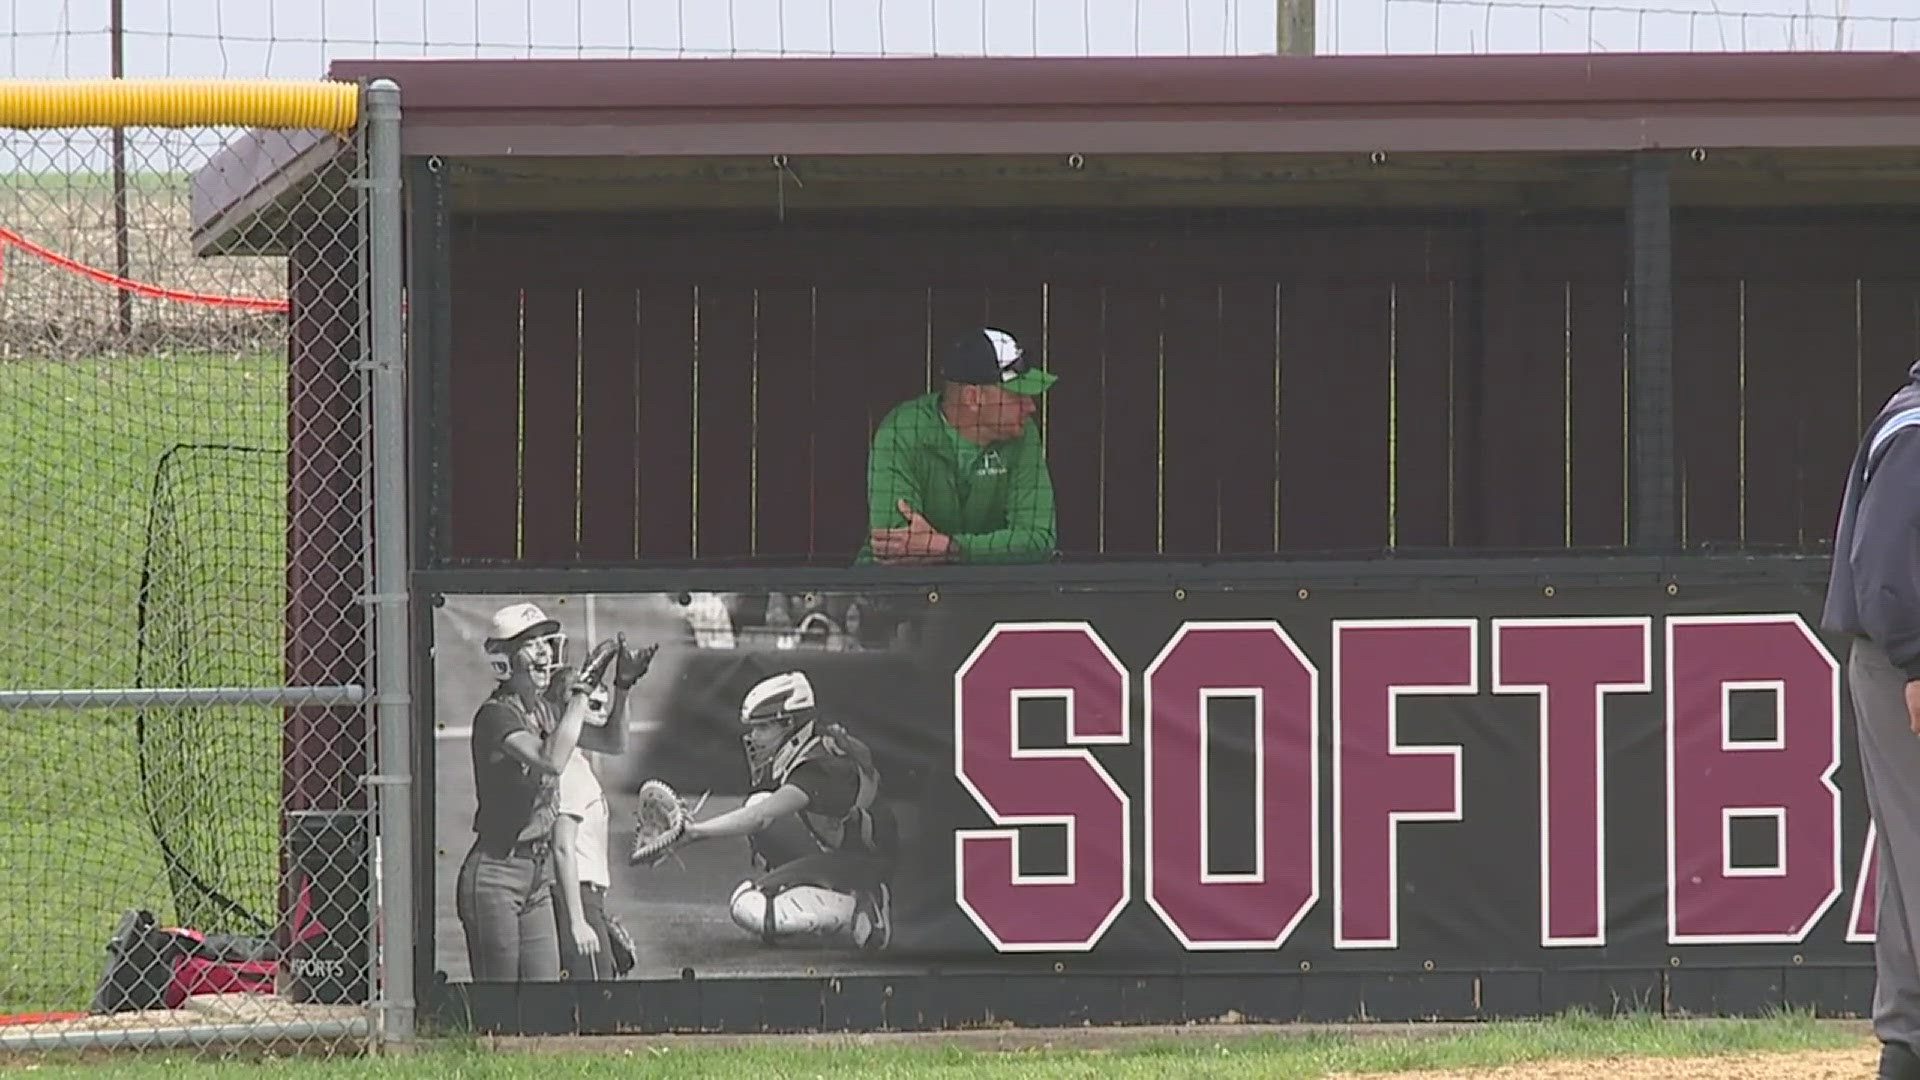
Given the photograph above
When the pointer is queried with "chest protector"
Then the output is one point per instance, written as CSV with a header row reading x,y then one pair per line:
x,y
817,742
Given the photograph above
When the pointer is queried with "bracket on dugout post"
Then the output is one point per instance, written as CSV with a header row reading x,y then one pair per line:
x,y
1651,487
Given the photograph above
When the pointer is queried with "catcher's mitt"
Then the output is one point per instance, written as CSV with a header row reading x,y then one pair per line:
x,y
593,673
658,823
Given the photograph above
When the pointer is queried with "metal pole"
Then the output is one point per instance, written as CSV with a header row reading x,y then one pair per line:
x,y
1295,37
122,260
251,1034
115,697
393,667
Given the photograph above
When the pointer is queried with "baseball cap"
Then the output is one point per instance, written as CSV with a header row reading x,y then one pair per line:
x,y
992,357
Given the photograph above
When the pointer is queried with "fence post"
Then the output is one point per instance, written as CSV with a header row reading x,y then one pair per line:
x,y
392,656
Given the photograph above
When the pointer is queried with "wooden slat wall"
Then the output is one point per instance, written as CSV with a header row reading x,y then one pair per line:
x,y
549,425
1790,331
483,438
1228,388
1075,423
663,505
609,423
1427,338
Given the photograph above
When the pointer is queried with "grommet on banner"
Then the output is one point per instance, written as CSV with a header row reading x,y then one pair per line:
x,y
1058,967
809,598
1179,594
1798,959
1427,965
1673,588
1673,961
1548,591
1306,965
1302,594
933,596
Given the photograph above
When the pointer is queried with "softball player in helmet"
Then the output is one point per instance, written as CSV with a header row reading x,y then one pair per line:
x,y
523,736
819,835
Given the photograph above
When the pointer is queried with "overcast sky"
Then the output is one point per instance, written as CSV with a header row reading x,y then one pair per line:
x,y
295,38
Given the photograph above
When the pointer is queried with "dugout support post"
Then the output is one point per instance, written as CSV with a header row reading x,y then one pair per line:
x,y
393,678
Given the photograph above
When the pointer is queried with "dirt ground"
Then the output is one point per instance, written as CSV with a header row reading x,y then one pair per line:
x,y
1807,1065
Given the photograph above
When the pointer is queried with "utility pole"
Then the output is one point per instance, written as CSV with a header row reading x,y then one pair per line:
x,y
1296,28
122,299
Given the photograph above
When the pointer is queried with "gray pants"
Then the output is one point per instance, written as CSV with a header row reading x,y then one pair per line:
x,y
1890,761
505,903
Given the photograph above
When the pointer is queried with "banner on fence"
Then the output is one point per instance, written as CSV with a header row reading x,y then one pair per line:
x,y
1228,779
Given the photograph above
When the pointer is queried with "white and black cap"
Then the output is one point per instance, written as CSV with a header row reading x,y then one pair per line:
x,y
991,357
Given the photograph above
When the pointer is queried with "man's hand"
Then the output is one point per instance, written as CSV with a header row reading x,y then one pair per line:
x,y
918,542
1913,706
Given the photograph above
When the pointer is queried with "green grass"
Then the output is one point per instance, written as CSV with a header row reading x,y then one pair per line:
x,y
79,443
1282,1056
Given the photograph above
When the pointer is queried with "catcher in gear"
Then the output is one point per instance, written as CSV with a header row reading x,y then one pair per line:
x,y
822,840
592,944
523,736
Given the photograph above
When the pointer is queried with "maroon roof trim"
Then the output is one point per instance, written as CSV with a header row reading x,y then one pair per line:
x,y
1379,81
1128,105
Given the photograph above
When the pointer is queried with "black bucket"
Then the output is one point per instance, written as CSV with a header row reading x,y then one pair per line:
x,y
328,934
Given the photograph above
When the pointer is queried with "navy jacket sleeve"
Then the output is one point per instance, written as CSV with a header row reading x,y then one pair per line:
x,y
1886,553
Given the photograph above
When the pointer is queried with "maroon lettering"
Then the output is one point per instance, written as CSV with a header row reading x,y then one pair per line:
x,y
1232,910
1571,665
1047,786
1378,783
1783,779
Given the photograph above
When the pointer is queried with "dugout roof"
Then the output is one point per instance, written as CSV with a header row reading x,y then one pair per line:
x,y
611,135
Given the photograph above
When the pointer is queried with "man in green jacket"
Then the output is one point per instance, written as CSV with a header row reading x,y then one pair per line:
x,y
959,475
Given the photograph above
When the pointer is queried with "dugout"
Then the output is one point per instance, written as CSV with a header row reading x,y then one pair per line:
x,y
1473,319
1393,292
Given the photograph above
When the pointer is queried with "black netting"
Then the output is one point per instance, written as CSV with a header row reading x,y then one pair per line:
x,y
208,616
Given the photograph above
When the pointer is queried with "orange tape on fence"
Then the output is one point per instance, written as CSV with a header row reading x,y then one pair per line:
x,y
9,238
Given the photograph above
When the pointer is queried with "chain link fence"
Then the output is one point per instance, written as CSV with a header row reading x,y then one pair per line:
x,y
186,720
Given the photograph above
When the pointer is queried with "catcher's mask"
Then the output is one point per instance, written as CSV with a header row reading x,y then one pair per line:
x,y
777,714
525,630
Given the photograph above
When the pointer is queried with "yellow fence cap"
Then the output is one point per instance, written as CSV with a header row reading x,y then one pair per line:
x,y
178,103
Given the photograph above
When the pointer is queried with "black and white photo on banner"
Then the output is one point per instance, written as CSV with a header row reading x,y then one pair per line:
x,y
745,704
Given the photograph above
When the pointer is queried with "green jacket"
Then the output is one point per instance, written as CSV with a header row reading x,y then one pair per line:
x,y
994,502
